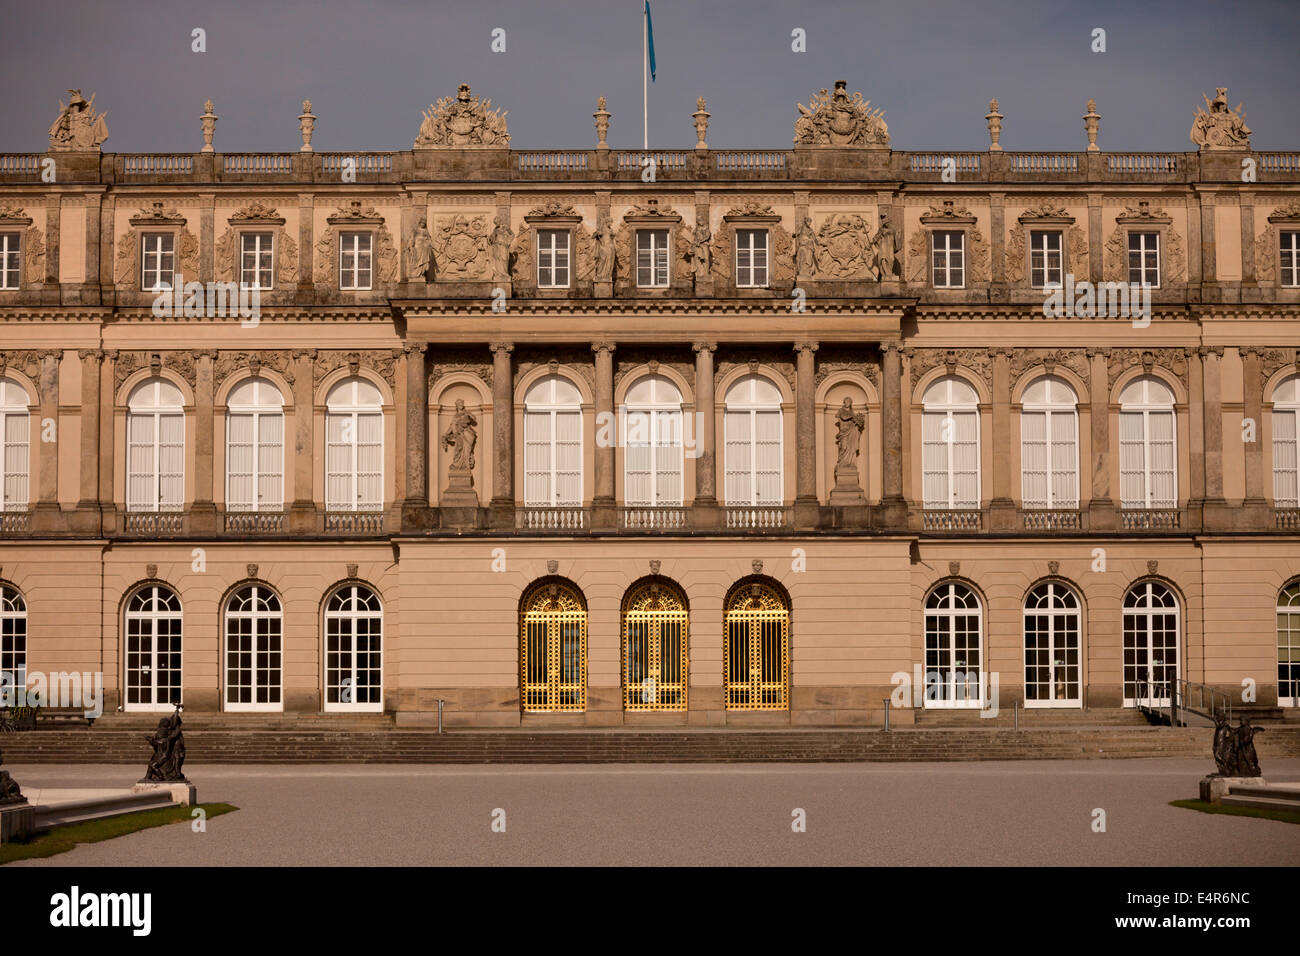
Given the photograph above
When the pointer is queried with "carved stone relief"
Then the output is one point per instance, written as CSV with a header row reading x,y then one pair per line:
x,y
1266,243
357,217
381,361
1048,214
1115,257
463,120
977,360
1170,359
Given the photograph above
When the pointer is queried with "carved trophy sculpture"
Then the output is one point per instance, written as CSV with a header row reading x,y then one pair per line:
x,y
168,742
833,119
460,438
462,121
1218,127
420,253
10,793
1234,748
78,127
849,425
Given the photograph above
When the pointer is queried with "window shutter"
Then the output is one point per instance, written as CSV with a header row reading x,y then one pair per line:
x,y
1132,461
270,462
140,471
16,462
1286,494
239,462
171,462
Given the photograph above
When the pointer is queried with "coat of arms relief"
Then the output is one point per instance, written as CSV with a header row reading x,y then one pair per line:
x,y
463,120
836,119
1218,127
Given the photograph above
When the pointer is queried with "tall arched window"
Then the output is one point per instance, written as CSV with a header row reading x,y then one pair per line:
x,y
553,444
954,628
354,644
1052,666
754,445
553,648
1288,646
354,447
1286,415
950,445
655,647
757,652
255,447
15,456
153,649
155,447
1148,476
652,447
254,650
1150,643
1049,445
13,639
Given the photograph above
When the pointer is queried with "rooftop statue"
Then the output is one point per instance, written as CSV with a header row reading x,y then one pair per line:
x,y
462,120
833,119
1218,127
78,127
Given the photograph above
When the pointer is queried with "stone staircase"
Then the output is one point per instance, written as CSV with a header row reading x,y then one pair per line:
x,y
313,744
1031,718
1262,798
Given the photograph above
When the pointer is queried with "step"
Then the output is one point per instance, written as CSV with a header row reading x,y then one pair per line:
x,y
1261,803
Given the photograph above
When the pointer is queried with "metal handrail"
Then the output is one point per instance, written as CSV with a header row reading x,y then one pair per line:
x,y
1185,688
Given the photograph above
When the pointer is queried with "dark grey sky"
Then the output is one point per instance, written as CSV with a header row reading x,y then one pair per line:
x,y
371,66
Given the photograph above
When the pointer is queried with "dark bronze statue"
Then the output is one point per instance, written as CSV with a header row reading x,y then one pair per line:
x,y
1234,748
168,751
9,791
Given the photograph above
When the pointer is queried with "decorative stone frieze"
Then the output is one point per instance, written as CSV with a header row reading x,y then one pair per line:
x,y
865,367
27,361
1271,359
461,247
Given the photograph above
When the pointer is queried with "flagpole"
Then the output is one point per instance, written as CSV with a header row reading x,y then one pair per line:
x,y
645,84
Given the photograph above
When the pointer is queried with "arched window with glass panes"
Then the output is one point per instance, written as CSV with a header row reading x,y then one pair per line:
x,y
255,447
1151,629
13,639
254,650
1053,669
1049,445
1288,646
553,444
1286,434
15,453
652,444
752,429
354,447
950,445
153,649
155,447
954,643
354,645
1148,462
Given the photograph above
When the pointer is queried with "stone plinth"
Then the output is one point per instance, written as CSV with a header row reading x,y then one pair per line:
x,y
1214,789
182,792
460,491
17,821
847,491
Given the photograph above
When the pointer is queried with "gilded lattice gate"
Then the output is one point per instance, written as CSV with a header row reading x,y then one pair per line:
x,y
655,648
757,620
553,649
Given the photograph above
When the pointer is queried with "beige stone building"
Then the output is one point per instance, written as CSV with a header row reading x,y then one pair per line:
x,y
701,436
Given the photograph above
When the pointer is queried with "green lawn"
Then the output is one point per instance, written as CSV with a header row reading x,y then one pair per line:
x,y
62,839
1282,816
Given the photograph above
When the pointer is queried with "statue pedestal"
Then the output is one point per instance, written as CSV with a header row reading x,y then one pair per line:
x,y
17,821
603,290
847,492
1214,789
460,491
182,791
703,288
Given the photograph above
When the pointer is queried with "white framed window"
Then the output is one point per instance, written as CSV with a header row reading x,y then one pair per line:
x,y
1049,445
954,632
948,258
652,258
1290,247
11,260
1053,674
157,261
652,446
754,434
153,649
354,643
553,258
1045,258
1288,645
1286,436
155,447
1151,626
553,444
950,445
254,650
15,453
751,258
355,266
256,260
255,447
13,638
1144,258
354,447
1148,463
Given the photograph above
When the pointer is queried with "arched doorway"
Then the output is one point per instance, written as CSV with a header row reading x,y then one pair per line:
x,y
655,647
954,627
553,648
1052,666
1150,643
757,652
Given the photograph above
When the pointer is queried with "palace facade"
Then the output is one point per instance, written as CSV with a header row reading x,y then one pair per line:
x,y
604,436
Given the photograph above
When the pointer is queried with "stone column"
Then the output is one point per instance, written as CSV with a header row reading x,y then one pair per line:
x,y
1211,357
203,513
306,246
503,437
90,282
415,497
1209,266
88,491
1247,214
207,237
53,222
1253,409
107,439
806,513
302,513
1196,442
706,439
602,502
894,505
47,505
1096,247
1101,509
1002,516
